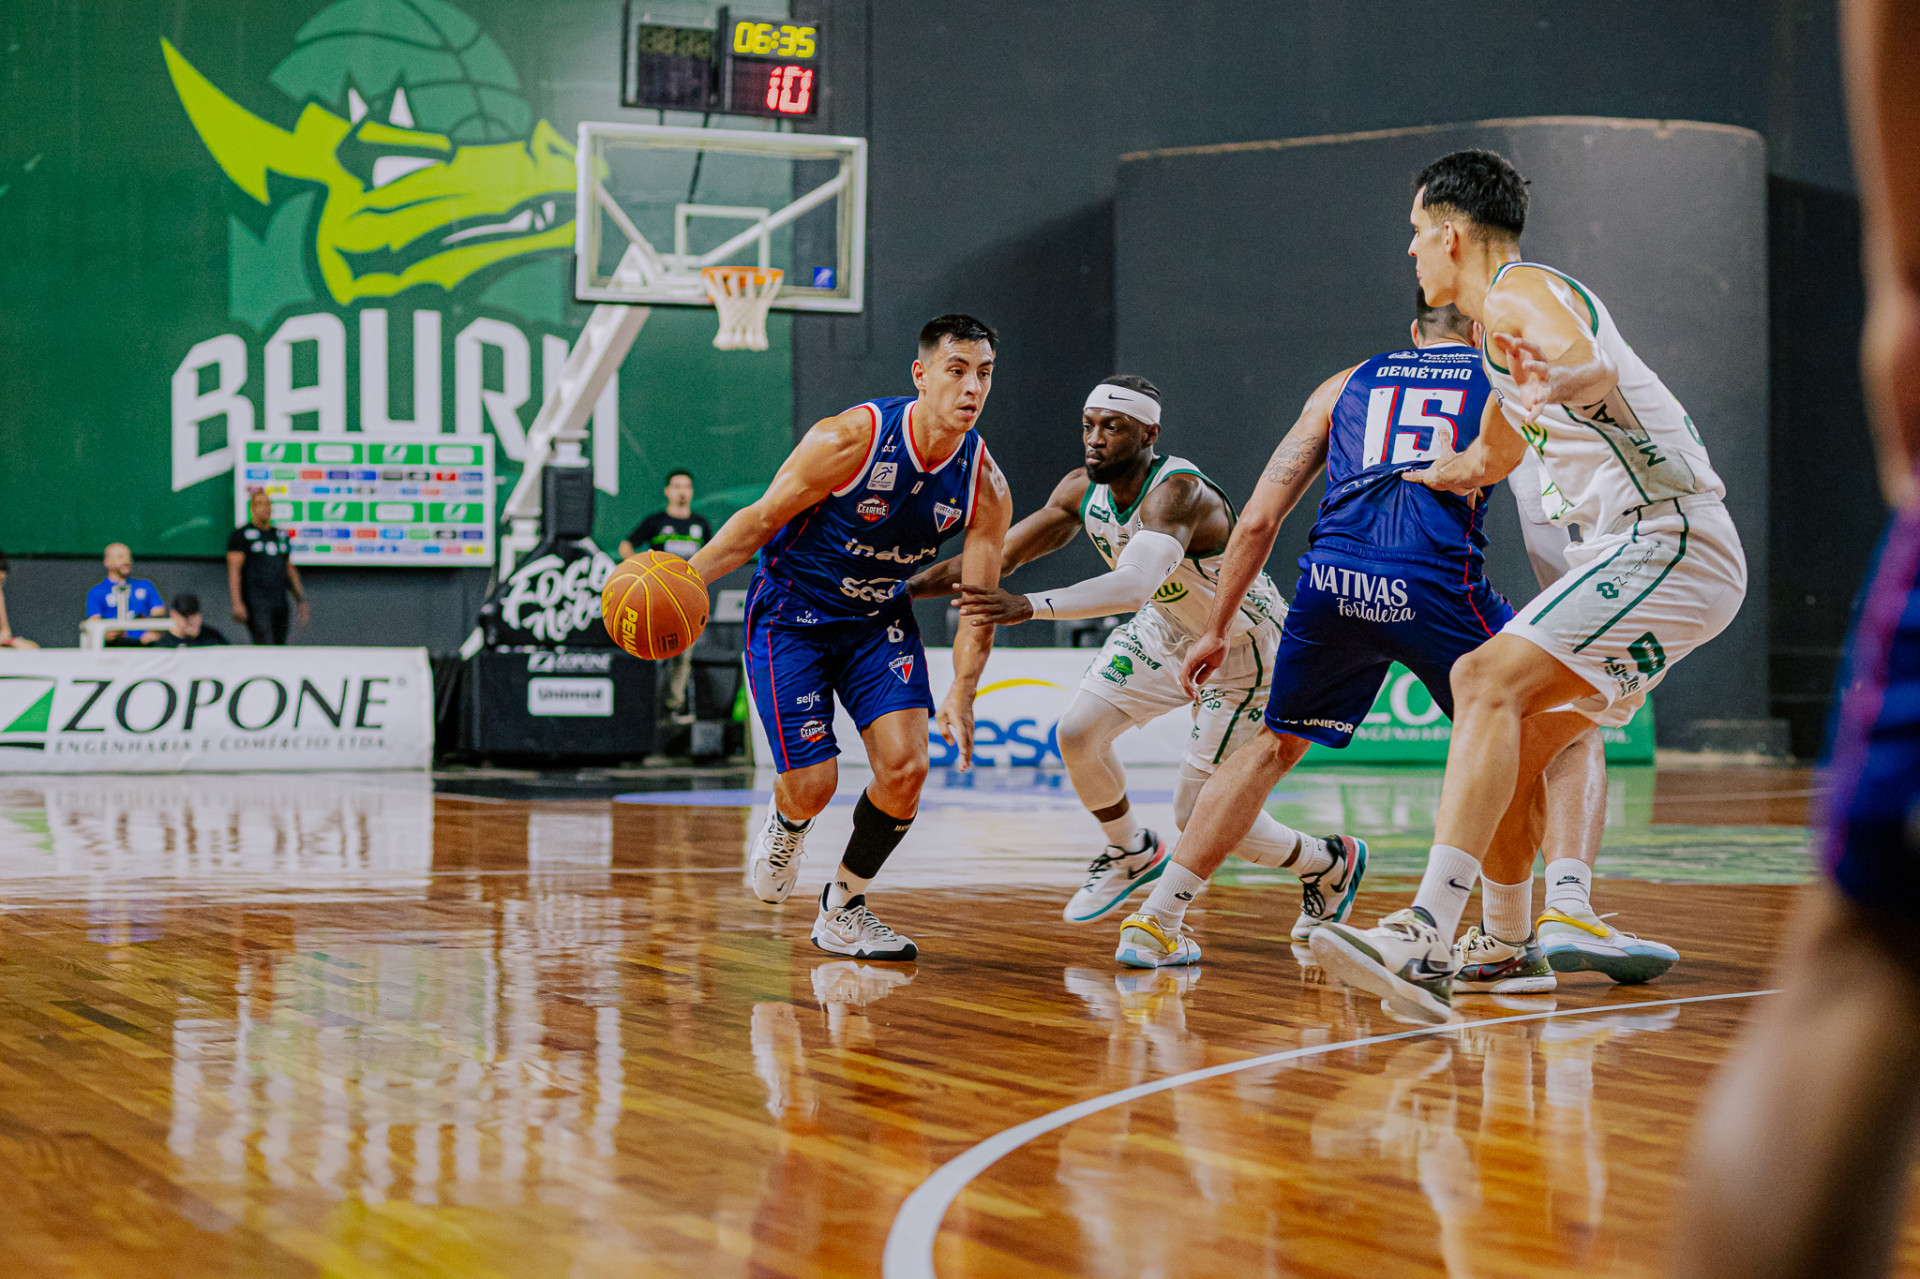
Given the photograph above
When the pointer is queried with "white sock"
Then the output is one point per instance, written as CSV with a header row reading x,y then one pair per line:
x,y
1507,909
1170,898
845,886
1445,887
1270,843
1570,886
1125,832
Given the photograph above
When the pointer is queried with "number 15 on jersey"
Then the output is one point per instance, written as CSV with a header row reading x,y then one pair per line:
x,y
1417,433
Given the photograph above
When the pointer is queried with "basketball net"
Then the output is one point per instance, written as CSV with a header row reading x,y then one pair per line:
x,y
743,295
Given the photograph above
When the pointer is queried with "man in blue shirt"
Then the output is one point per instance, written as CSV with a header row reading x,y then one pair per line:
x,y
124,595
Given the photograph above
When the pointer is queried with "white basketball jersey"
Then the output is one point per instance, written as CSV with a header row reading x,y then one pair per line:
x,y
1186,600
1602,461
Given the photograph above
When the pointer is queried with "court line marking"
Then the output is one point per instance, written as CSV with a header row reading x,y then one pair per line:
x,y
909,1250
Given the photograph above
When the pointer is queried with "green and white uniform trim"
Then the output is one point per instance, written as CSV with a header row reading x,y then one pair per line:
x,y
1138,669
1601,463
1186,600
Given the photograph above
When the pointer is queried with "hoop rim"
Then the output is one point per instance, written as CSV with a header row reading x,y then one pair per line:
x,y
757,274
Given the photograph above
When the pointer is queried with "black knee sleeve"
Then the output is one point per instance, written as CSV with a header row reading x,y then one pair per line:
x,y
875,835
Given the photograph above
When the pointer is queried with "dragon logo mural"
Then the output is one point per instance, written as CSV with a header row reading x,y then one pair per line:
x,y
428,164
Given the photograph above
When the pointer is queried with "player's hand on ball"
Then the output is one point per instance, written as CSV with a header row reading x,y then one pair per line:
x,y
1203,659
992,605
955,722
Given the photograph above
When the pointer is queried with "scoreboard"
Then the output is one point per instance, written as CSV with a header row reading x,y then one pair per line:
x,y
741,66
376,499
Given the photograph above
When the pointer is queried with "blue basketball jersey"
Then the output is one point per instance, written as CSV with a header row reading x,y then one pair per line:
x,y
1390,413
849,556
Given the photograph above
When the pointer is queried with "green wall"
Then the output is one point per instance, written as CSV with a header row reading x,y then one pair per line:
x,y
182,231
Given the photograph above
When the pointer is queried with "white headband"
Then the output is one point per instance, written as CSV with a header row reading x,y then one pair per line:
x,y
1119,399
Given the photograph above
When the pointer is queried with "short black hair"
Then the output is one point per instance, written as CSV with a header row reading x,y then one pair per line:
x,y
1435,320
677,472
961,328
186,605
1483,185
1133,382
6,565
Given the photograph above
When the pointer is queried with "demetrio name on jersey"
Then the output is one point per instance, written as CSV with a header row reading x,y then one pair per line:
x,y
849,556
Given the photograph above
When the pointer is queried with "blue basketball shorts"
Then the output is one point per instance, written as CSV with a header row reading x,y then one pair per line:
x,y
1352,619
874,666
1869,838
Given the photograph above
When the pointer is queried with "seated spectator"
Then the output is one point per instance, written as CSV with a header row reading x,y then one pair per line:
x,y
124,595
189,630
7,638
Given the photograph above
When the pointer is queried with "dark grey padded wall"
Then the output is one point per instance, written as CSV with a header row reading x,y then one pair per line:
x,y
1304,273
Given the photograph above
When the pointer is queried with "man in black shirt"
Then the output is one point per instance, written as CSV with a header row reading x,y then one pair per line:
x,y
189,628
677,531
260,571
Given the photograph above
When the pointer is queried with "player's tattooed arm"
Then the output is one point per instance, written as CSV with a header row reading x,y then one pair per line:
x,y
826,457
1041,533
1290,472
1488,460
979,567
1535,329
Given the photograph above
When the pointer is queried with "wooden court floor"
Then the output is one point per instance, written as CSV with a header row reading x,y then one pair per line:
x,y
354,1027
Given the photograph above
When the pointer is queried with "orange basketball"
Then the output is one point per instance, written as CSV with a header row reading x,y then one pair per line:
x,y
655,605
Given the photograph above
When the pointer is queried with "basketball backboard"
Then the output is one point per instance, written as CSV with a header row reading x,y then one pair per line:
x,y
658,203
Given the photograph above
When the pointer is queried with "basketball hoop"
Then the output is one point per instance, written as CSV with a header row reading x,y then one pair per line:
x,y
743,295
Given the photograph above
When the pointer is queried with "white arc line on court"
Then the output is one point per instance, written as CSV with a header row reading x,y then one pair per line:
x,y
909,1253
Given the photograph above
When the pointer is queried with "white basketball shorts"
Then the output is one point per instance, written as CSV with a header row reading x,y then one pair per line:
x,y
1138,673
1637,600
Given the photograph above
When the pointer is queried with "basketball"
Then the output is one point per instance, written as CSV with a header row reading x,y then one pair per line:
x,y
655,605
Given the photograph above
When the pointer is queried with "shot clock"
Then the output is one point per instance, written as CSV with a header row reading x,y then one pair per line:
x,y
743,66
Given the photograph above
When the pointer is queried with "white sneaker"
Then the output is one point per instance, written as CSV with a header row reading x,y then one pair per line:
x,y
1145,944
1326,897
1403,959
1114,876
1487,965
1583,943
855,931
777,853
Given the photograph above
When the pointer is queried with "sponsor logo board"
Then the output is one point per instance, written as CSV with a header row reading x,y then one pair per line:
x,y
585,697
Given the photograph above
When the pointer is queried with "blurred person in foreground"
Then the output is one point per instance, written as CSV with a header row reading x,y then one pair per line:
x,y
1801,1157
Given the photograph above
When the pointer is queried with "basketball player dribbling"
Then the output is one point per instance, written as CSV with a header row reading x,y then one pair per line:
x,y
1162,528
1659,570
1802,1158
864,497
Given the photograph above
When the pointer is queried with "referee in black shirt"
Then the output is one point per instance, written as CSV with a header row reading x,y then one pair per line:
x,y
260,572
677,531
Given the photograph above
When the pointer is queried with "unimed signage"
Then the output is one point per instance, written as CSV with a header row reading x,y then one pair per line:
x,y
218,709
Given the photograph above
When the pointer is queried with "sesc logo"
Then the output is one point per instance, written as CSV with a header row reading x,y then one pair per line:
x,y
26,710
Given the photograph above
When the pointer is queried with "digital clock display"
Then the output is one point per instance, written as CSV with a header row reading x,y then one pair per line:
x,y
782,40
669,67
783,89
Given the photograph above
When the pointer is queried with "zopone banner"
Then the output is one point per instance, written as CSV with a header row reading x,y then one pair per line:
x,y
238,709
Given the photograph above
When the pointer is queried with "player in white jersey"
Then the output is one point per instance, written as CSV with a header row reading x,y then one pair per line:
x,y
1658,572
1162,527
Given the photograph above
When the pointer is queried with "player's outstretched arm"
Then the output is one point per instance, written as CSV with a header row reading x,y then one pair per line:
x,y
979,566
1534,328
1289,474
1168,517
1880,39
1488,460
1041,533
825,458
1281,486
